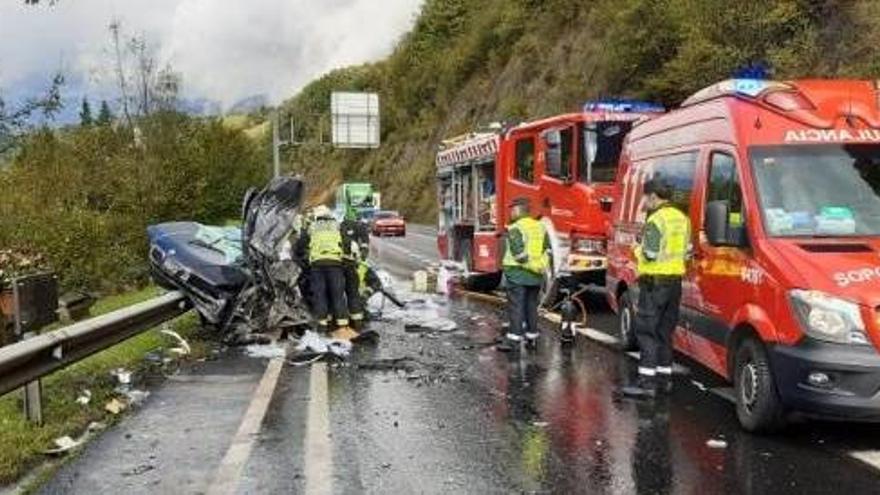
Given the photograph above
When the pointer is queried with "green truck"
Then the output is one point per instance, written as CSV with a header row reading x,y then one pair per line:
x,y
360,196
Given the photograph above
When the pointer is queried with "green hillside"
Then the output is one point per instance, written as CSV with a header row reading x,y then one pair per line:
x,y
469,62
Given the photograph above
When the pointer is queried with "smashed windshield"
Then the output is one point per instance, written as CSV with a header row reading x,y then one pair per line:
x,y
818,190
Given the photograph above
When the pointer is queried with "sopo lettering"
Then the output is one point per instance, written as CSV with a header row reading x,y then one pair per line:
x,y
861,275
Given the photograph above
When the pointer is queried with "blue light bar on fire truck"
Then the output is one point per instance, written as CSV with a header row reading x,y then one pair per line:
x,y
616,105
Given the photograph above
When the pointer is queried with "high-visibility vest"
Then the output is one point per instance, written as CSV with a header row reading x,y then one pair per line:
x,y
533,233
325,241
675,237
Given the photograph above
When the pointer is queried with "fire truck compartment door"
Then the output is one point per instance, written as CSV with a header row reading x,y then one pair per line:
x,y
487,252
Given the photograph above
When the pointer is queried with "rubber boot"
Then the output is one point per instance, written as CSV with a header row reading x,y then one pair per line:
x,y
645,388
664,383
512,343
532,340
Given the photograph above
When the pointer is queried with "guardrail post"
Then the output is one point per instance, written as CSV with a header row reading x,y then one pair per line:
x,y
33,402
32,393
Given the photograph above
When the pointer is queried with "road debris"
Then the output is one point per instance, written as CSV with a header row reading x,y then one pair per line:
x,y
266,351
312,341
66,443
184,349
115,406
136,397
699,385
122,375
139,470
84,398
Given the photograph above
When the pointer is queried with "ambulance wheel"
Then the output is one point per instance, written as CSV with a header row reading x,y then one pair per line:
x,y
758,406
626,317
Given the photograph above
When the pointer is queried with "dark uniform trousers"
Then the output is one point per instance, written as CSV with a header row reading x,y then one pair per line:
x,y
328,291
352,289
523,308
656,318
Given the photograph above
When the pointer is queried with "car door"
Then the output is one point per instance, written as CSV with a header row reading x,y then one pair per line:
x,y
719,275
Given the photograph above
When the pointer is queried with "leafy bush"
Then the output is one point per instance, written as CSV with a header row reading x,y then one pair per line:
x,y
83,197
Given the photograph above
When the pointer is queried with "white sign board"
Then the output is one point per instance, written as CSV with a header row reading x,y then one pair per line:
x,y
355,120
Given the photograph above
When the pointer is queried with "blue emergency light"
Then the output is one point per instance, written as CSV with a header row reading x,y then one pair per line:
x,y
617,105
750,87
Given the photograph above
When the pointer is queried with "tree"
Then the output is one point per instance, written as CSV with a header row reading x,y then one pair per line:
x,y
85,115
105,116
120,70
16,121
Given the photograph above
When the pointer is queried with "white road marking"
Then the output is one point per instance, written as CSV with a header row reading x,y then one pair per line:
x,y
318,452
869,457
229,472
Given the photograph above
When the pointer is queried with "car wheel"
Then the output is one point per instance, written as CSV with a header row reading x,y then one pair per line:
x,y
758,405
626,317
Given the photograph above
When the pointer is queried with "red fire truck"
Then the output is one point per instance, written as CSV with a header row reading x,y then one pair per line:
x,y
565,166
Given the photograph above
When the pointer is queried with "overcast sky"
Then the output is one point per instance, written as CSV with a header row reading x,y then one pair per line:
x,y
226,50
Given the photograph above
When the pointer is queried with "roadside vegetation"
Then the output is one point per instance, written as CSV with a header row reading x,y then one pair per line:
x,y
83,197
24,443
467,63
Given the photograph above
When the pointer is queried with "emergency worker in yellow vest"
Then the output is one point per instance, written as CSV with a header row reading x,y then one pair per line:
x,y
662,256
323,241
525,261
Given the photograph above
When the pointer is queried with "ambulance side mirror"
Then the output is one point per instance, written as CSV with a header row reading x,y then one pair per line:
x,y
719,231
717,223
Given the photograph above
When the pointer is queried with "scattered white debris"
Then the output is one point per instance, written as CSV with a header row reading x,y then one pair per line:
x,y
63,444
122,375
84,397
184,349
540,424
313,342
716,443
136,397
66,443
699,385
115,406
266,351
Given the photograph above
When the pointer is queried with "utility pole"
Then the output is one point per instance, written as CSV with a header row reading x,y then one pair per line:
x,y
276,146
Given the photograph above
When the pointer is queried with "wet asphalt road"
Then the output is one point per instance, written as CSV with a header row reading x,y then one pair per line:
x,y
443,412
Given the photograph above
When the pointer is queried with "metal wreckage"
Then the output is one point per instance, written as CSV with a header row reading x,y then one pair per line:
x,y
235,277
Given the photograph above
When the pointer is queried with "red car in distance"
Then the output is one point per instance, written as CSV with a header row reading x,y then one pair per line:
x,y
388,222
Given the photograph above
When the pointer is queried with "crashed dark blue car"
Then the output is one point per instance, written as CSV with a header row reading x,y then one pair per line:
x,y
234,277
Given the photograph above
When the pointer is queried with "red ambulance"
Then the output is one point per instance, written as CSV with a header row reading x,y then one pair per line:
x,y
782,298
565,165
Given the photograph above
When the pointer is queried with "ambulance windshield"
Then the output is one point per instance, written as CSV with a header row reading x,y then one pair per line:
x,y
818,190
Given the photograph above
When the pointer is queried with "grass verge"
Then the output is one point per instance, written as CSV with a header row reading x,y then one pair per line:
x,y
23,442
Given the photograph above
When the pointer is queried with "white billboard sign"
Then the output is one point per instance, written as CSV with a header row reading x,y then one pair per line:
x,y
355,120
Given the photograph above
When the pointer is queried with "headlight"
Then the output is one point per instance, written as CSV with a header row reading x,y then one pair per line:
x,y
829,318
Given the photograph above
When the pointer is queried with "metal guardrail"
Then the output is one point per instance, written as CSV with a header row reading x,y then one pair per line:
x,y
31,359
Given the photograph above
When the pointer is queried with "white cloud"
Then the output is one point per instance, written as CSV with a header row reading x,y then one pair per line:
x,y
225,49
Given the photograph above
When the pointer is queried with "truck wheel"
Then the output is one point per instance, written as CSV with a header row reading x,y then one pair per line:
x,y
626,317
758,406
